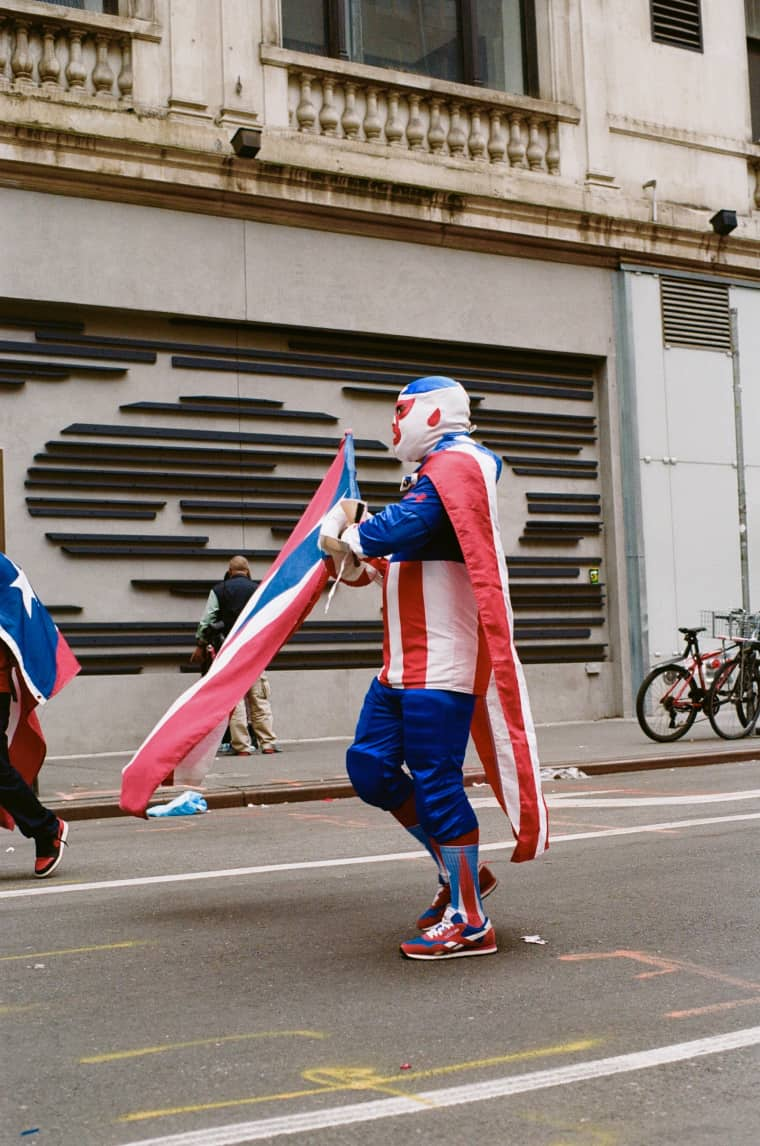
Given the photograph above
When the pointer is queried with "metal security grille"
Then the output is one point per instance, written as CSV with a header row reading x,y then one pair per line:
x,y
677,22
695,314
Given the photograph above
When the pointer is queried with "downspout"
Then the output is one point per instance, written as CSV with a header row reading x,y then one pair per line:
x,y
638,634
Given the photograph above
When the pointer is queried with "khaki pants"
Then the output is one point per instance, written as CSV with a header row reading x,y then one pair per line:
x,y
255,706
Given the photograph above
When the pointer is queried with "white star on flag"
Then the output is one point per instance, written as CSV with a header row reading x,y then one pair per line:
x,y
27,592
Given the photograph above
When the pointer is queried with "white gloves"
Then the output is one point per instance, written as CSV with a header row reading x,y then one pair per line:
x,y
333,524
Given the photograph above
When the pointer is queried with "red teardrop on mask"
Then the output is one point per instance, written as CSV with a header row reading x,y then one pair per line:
x,y
434,418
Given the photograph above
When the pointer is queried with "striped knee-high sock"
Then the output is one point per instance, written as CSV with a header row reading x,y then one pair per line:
x,y
461,860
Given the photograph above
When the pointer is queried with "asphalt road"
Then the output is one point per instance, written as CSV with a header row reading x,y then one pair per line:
x,y
235,977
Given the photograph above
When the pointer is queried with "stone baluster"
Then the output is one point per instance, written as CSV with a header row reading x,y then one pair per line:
x,y
415,128
125,79
436,130
4,82
497,144
49,67
372,123
102,73
535,152
306,113
457,138
552,150
76,72
394,128
21,60
328,113
516,145
350,120
477,140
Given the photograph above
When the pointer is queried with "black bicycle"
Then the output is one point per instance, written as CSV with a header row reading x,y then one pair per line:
x,y
733,699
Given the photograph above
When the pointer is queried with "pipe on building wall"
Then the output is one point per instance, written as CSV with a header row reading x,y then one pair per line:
x,y
629,460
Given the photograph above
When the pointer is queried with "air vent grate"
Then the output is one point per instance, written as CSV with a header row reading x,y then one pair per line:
x,y
677,22
695,314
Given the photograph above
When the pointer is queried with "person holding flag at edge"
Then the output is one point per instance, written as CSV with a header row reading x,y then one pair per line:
x,y
35,664
450,664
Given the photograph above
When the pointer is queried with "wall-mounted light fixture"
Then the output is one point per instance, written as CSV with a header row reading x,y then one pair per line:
x,y
724,222
246,142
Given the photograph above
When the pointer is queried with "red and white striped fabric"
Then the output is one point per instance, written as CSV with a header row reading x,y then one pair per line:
x,y
432,635
465,479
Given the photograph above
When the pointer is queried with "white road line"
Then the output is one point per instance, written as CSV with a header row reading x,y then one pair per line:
x,y
430,1100
579,800
350,861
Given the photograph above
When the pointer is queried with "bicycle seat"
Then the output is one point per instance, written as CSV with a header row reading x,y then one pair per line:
x,y
692,632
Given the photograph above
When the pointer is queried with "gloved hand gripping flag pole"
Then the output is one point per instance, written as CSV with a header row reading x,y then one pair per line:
x,y
185,739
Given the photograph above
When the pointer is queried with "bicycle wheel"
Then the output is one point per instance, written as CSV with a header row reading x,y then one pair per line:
x,y
667,702
733,701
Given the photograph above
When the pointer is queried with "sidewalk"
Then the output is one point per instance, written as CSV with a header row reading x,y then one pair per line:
x,y
88,787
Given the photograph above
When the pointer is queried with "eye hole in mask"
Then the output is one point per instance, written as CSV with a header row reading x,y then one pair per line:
x,y
402,409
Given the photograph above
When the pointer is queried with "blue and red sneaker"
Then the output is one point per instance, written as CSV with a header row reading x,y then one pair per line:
x,y
452,938
434,914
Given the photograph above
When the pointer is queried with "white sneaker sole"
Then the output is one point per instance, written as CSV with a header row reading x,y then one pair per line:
x,y
465,953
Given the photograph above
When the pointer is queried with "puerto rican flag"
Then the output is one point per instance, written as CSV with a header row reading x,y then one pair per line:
x,y
186,738
464,476
44,663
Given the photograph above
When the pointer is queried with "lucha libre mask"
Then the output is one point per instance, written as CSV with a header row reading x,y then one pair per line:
x,y
427,409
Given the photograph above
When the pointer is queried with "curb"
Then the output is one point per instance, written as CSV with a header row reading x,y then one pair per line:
x,y
339,789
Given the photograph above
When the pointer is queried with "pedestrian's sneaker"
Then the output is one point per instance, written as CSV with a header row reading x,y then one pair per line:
x,y
434,913
50,851
451,939
270,748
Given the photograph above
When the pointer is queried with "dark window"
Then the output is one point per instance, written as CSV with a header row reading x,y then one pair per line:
x,y
110,7
753,59
677,22
488,43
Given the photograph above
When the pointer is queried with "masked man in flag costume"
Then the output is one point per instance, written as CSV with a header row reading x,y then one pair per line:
x,y
449,663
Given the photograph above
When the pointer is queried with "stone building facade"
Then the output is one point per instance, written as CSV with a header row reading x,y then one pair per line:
x,y
233,229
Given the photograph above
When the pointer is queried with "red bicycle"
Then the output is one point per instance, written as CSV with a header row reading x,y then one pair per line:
x,y
673,695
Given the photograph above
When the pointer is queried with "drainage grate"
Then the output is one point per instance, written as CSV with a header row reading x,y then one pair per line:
x,y
695,313
677,22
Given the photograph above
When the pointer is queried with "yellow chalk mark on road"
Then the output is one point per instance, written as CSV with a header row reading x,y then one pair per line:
x,y
77,950
19,1008
357,1078
350,1078
117,1056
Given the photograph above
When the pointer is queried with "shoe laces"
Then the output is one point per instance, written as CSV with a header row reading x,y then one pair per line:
x,y
444,925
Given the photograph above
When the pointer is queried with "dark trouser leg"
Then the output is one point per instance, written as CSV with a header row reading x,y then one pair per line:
x,y
32,819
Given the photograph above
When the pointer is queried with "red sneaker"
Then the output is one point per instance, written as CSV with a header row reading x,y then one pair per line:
x,y
50,851
451,940
434,914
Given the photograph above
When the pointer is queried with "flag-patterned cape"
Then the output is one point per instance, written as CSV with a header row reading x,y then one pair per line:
x,y
44,664
502,726
184,741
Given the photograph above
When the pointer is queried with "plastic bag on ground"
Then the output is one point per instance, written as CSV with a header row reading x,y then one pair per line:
x,y
186,804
